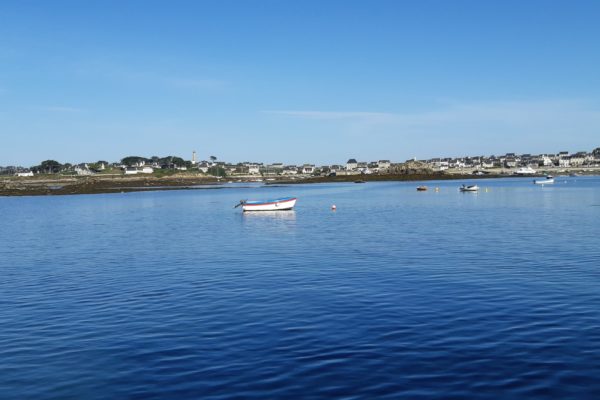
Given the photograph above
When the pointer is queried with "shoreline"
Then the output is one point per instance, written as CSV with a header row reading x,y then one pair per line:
x,y
388,177
60,186
57,186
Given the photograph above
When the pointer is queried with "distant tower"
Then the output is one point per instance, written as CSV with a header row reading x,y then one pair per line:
x,y
194,157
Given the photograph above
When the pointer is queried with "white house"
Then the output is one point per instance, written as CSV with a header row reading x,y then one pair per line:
x,y
546,161
511,162
24,174
130,171
290,170
146,170
253,169
564,162
487,163
308,169
82,169
351,164
577,159
203,167
383,164
456,163
275,167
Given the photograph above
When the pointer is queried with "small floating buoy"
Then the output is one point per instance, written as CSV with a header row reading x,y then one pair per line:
x,y
437,189
487,190
333,207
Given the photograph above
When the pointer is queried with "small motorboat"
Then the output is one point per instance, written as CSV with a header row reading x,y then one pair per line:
x,y
525,171
545,181
281,204
469,188
360,181
421,188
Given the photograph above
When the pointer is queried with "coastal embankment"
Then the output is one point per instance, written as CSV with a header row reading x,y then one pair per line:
x,y
70,185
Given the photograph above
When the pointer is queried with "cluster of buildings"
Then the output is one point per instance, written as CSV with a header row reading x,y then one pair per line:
x,y
141,165
563,159
254,168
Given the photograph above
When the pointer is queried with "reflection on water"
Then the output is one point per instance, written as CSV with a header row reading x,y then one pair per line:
x,y
397,294
287,214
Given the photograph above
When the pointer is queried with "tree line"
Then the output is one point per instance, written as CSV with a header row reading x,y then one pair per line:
x,y
54,167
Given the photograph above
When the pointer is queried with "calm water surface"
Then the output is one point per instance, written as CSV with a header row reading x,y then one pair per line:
x,y
397,294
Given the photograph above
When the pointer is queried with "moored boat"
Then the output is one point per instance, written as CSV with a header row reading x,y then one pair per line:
x,y
281,204
469,188
545,181
525,171
421,188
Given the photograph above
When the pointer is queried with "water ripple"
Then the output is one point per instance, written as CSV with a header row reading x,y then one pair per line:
x,y
394,295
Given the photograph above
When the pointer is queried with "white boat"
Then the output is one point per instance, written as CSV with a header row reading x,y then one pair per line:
x,y
525,171
469,188
281,204
545,181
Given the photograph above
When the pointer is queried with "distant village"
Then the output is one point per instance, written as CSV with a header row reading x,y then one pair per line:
x,y
509,163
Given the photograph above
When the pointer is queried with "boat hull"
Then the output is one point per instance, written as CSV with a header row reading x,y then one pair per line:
x,y
469,188
270,205
543,181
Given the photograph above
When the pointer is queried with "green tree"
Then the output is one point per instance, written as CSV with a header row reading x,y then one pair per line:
x,y
132,160
172,161
49,167
177,161
217,170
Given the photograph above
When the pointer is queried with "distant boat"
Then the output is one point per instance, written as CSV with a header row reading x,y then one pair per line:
x,y
469,188
546,181
421,188
525,171
281,204
359,181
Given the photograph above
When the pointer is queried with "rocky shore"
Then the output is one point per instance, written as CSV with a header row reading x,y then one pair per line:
x,y
54,185
49,185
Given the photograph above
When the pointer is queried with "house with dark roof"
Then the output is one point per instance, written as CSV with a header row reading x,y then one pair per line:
x,y
351,164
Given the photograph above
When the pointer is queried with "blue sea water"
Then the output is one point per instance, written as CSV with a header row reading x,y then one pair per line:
x,y
397,294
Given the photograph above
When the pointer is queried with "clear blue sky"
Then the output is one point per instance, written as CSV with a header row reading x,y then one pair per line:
x,y
296,81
